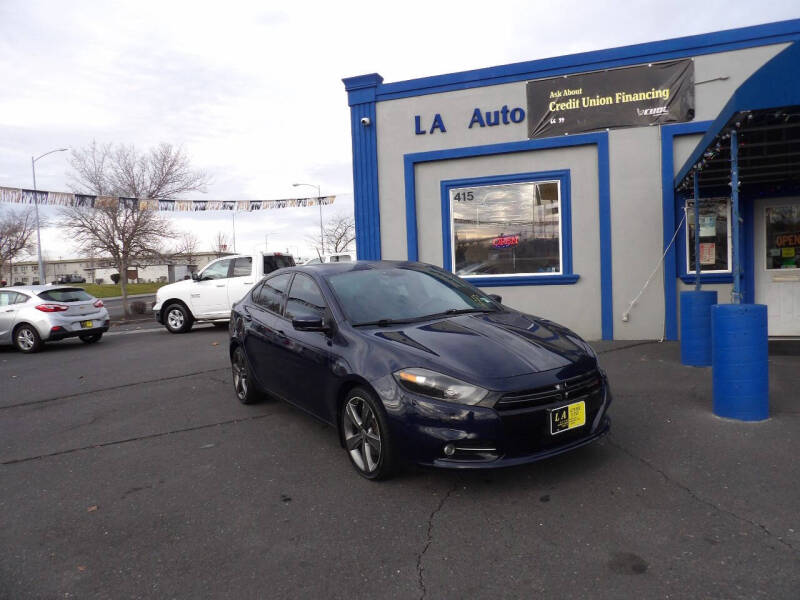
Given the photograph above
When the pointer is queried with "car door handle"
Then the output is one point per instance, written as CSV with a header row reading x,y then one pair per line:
x,y
251,283
9,310
220,285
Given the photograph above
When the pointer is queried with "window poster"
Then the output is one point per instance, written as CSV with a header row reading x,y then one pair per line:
x,y
708,252
708,226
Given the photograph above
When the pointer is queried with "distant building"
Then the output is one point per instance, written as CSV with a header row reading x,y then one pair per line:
x,y
100,269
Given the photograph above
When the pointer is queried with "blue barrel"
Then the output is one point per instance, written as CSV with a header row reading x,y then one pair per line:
x,y
739,362
696,327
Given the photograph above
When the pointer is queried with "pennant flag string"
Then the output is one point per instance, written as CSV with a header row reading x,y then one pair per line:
x,y
21,196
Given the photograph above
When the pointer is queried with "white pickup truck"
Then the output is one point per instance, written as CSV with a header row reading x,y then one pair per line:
x,y
209,294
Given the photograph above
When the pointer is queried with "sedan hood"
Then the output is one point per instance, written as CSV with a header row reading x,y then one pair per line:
x,y
491,345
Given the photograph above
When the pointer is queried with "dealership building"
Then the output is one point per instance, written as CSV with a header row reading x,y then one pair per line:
x,y
566,185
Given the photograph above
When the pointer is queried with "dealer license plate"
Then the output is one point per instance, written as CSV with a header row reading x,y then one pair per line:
x,y
86,324
567,417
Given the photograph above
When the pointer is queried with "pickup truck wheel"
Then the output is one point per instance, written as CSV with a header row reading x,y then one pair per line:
x,y
177,318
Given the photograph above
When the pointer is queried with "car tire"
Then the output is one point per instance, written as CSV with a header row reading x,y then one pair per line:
x,y
244,385
27,339
177,318
90,338
365,434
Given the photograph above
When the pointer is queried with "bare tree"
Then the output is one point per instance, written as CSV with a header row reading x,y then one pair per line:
x,y
17,229
219,245
128,236
186,247
340,234
162,173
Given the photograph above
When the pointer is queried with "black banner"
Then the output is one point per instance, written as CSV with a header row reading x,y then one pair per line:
x,y
626,97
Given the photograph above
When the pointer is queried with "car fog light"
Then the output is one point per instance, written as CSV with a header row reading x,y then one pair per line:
x,y
449,449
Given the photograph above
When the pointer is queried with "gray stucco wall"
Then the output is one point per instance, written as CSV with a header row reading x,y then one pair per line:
x,y
579,309
635,171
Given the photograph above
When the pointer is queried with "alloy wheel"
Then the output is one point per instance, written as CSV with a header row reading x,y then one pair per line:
x,y
175,318
239,368
362,434
25,339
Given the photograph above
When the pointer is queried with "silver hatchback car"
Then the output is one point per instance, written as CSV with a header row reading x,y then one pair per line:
x,y
32,315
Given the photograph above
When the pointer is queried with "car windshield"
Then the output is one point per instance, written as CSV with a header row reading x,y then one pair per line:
x,y
390,295
65,295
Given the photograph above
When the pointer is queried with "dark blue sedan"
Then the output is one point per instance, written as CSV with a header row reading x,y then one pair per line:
x,y
409,362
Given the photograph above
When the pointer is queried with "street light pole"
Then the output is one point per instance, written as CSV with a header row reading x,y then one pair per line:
x,y
319,203
36,208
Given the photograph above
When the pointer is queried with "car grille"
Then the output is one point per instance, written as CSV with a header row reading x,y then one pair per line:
x,y
569,390
526,414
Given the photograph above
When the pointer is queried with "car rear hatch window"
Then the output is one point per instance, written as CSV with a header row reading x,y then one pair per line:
x,y
79,302
65,295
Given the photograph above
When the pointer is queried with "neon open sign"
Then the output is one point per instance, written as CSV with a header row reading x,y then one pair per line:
x,y
505,241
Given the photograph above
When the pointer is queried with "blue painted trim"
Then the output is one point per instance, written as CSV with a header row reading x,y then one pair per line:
x,y
669,202
736,230
707,278
482,282
604,204
606,263
361,89
774,85
562,176
695,45
365,182
748,250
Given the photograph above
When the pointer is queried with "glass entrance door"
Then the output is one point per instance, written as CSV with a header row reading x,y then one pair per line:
x,y
777,257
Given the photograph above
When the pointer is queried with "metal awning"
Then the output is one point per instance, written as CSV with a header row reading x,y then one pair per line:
x,y
765,114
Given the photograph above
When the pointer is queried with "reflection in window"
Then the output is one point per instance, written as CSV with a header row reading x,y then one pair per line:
x,y
508,229
783,237
243,266
218,270
305,299
271,294
715,234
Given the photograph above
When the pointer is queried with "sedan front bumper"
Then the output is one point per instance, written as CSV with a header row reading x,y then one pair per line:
x,y
483,437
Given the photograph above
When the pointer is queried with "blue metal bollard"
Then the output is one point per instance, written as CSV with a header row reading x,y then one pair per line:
x,y
696,327
740,370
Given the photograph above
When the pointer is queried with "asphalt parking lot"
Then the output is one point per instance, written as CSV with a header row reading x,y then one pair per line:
x,y
129,470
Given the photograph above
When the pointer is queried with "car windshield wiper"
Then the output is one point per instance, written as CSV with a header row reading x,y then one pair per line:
x,y
463,311
386,322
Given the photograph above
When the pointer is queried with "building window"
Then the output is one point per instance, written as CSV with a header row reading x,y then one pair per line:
x,y
715,236
783,237
515,229
506,229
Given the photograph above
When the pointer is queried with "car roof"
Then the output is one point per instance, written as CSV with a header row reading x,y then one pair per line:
x,y
356,265
35,289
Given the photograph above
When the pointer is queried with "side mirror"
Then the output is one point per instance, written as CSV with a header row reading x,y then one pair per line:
x,y
497,298
195,277
309,324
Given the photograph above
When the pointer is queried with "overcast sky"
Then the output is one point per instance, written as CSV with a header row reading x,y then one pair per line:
x,y
253,91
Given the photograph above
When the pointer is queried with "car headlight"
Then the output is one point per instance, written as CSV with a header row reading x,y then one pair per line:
x,y
442,387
